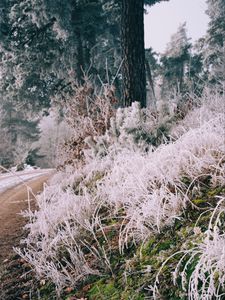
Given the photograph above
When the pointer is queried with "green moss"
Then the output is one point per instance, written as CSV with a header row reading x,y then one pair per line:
x,y
104,290
47,292
198,201
164,245
147,247
216,191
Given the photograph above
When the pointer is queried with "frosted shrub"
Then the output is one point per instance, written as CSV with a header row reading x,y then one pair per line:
x,y
88,112
99,129
131,128
149,186
144,191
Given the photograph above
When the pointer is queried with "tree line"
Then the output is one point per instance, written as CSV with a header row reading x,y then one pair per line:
x,y
46,45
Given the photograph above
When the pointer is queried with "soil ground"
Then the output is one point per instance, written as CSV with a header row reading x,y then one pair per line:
x,y
16,280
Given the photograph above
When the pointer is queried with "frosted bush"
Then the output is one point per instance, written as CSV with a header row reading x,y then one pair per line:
x,y
131,128
149,186
143,190
88,112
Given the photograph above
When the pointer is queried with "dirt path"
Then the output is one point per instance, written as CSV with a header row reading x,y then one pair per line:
x,y
11,231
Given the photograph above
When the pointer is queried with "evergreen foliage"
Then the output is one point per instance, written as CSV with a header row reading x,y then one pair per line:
x,y
215,49
174,62
36,38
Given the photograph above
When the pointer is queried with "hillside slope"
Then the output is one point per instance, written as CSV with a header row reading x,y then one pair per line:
x,y
143,218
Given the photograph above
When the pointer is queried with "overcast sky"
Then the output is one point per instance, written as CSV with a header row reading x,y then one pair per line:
x,y
164,18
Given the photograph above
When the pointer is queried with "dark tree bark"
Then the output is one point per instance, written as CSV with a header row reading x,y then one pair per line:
x,y
80,59
133,53
77,21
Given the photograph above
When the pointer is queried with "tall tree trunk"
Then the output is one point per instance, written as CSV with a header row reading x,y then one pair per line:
x,y
77,22
181,77
80,59
133,52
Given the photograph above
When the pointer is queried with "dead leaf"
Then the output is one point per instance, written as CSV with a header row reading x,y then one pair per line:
x,y
68,289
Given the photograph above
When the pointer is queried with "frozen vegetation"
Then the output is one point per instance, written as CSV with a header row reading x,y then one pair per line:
x,y
147,176
136,209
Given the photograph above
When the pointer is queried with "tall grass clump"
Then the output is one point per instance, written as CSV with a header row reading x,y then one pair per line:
x,y
207,279
205,258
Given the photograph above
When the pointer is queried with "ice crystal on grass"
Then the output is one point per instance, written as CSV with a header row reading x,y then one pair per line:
x,y
208,257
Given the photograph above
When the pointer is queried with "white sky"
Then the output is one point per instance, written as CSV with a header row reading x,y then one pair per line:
x,y
164,18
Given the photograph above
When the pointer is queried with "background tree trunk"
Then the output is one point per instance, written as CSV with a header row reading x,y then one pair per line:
x,y
80,59
151,84
133,52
